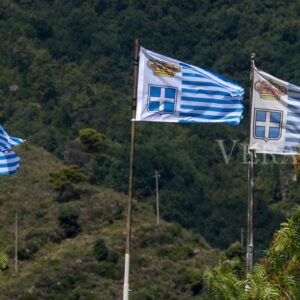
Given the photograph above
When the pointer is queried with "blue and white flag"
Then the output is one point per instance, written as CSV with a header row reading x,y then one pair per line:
x,y
9,162
6,141
275,121
172,91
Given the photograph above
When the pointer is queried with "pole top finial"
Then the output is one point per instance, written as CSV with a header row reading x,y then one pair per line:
x,y
253,55
137,42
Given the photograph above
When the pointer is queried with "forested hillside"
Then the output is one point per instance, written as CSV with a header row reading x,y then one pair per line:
x,y
67,66
71,244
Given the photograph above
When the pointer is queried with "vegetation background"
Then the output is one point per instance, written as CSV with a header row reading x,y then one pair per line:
x,y
65,86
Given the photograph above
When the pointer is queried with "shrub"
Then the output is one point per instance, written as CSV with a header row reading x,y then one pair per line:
x,y
190,278
68,221
92,140
64,180
108,270
45,235
26,252
3,261
100,250
28,296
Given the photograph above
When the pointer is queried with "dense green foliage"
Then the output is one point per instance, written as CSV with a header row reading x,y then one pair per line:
x,y
274,277
67,66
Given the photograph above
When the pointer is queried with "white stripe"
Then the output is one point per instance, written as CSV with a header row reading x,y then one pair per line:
x,y
217,97
292,135
211,113
210,104
207,88
199,79
293,119
290,102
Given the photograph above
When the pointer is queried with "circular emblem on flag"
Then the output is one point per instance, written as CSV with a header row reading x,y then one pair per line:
x,y
163,69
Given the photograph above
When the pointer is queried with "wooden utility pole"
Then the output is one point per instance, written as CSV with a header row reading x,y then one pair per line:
x,y
16,244
242,237
157,196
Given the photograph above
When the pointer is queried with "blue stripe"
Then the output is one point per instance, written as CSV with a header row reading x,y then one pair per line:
x,y
8,156
292,140
293,91
292,123
184,65
199,83
196,99
3,143
293,98
14,164
293,130
4,146
291,114
3,138
184,121
9,172
208,117
207,92
294,107
209,108
192,75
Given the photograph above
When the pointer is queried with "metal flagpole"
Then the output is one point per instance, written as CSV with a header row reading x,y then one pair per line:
x,y
250,219
130,186
250,246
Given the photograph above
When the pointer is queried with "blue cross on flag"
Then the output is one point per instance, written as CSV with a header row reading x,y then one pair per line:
x,y
268,124
162,99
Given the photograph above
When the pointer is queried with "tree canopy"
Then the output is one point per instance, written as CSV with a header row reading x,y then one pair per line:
x,y
67,66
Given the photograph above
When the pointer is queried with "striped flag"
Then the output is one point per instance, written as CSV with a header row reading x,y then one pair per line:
x,y
6,141
9,162
275,121
173,91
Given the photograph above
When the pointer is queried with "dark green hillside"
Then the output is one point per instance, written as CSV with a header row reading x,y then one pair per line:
x,y
75,249
67,65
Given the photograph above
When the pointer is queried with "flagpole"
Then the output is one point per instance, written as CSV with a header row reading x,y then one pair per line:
x,y
130,185
250,245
